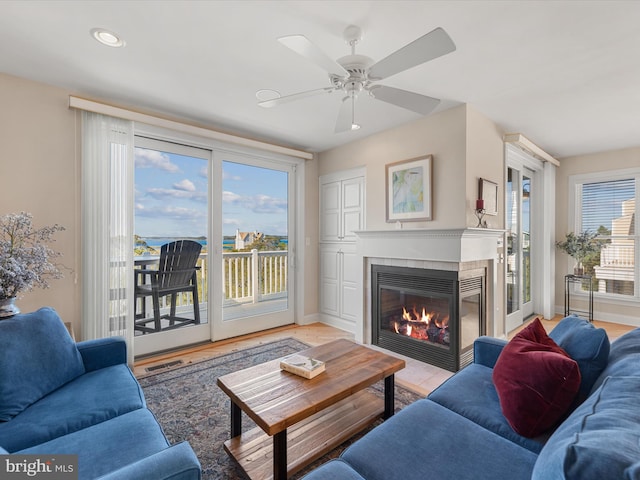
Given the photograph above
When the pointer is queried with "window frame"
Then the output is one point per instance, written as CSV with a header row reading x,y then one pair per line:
x,y
575,224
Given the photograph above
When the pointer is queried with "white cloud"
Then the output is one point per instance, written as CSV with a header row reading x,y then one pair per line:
x,y
185,185
227,176
164,193
145,158
230,197
256,203
171,212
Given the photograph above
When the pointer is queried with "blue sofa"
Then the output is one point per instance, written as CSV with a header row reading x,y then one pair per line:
x,y
60,397
459,431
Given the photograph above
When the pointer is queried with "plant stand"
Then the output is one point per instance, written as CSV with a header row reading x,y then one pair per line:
x,y
569,285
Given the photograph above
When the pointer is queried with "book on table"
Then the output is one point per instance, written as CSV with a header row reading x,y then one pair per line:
x,y
301,365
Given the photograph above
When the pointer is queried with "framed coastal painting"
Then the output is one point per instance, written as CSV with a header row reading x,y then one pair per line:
x,y
409,190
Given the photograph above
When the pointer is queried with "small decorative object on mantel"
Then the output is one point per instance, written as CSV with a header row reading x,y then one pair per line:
x,y
25,259
581,247
303,366
480,213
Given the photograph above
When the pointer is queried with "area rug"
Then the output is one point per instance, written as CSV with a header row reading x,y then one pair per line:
x,y
190,406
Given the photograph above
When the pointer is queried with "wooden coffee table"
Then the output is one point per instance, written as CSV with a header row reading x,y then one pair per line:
x,y
299,420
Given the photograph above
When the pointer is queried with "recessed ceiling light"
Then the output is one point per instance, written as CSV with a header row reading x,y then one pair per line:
x,y
267,94
107,38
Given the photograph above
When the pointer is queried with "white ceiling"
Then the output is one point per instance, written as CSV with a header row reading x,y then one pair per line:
x,y
564,73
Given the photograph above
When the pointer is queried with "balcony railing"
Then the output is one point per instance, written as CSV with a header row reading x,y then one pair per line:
x,y
247,277
252,277
616,255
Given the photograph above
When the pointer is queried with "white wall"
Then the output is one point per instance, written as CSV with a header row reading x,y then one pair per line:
x,y
39,174
441,135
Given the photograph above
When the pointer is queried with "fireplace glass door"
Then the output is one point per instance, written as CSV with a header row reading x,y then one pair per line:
x,y
421,317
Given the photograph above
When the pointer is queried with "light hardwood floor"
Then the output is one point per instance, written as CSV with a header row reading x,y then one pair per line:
x,y
417,376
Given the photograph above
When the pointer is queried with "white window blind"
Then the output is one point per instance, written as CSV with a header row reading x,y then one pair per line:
x,y
608,208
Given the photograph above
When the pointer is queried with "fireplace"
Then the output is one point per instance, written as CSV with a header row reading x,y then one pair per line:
x,y
430,315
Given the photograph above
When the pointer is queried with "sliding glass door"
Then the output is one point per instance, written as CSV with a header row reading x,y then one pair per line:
x,y
171,205
256,262
240,207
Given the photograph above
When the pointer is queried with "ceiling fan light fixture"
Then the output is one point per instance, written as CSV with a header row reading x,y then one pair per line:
x,y
107,38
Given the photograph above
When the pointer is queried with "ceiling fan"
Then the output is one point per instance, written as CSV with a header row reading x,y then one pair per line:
x,y
354,74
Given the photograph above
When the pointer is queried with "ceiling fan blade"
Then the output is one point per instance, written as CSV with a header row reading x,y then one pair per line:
x,y
303,46
411,101
345,115
432,45
296,96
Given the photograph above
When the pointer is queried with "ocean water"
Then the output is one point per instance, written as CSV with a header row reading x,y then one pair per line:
x,y
227,243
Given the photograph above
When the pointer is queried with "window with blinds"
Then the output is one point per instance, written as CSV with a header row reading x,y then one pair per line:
x,y
608,208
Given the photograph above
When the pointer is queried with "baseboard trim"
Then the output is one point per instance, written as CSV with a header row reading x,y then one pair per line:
x,y
608,317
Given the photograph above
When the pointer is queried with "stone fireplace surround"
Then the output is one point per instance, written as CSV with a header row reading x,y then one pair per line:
x,y
450,249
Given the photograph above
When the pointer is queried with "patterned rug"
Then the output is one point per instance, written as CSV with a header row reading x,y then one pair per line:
x,y
190,406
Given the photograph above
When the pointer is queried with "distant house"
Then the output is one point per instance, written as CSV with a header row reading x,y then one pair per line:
x,y
245,239
618,257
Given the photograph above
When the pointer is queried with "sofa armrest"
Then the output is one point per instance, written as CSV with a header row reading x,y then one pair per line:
x,y
178,462
486,350
103,352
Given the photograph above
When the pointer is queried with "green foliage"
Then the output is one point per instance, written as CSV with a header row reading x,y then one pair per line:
x,y
585,247
141,247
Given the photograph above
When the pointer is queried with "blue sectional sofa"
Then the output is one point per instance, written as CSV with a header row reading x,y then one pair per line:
x,y
459,431
59,397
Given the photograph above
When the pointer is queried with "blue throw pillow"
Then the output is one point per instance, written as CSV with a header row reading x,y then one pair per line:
x,y
37,356
587,345
599,440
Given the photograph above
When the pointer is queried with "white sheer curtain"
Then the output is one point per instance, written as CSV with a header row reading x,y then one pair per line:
x,y
107,228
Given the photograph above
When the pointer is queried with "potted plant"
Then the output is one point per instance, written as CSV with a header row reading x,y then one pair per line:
x,y
579,247
25,259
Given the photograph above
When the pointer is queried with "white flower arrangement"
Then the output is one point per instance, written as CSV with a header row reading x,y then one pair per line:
x,y
25,259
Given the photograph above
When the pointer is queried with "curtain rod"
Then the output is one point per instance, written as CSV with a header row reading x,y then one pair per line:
x,y
105,109
523,142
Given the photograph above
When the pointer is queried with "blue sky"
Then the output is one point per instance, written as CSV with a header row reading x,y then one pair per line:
x,y
171,197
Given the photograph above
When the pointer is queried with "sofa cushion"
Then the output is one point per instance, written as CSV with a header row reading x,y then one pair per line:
x,y
336,469
624,358
587,345
471,393
37,356
89,399
600,439
428,441
110,445
536,381
632,472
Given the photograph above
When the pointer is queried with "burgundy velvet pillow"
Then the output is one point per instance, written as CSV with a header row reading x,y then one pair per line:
x,y
536,381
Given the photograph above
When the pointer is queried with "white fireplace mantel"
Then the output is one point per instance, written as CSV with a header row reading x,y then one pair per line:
x,y
451,245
